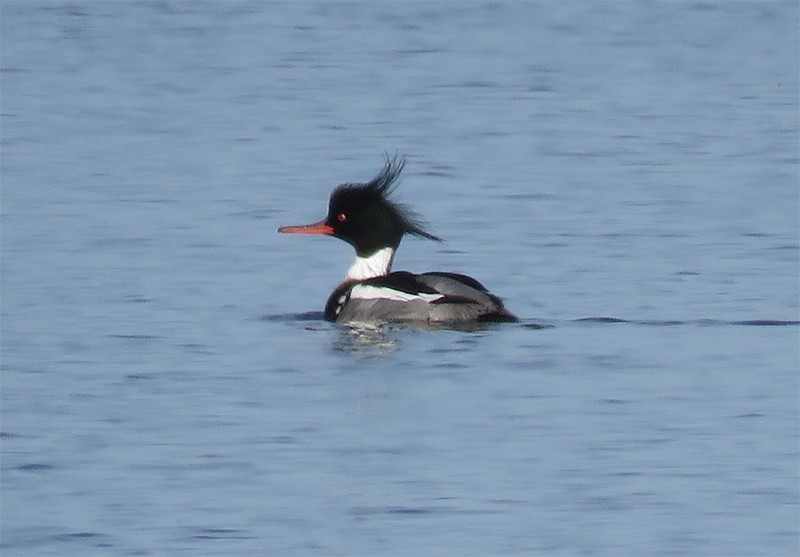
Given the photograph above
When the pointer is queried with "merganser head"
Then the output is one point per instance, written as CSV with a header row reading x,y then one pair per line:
x,y
364,216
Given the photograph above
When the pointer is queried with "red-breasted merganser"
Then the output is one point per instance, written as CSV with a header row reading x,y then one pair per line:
x,y
364,216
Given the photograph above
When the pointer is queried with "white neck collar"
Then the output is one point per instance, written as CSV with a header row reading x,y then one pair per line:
x,y
375,265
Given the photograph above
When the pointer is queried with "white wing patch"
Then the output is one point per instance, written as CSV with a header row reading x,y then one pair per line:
x,y
367,292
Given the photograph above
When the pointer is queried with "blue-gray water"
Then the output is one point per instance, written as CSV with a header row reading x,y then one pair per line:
x,y
624,174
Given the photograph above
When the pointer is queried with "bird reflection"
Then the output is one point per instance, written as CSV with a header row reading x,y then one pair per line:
x,y
367,339
377,340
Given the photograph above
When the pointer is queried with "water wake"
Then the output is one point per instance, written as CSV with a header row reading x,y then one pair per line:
x,y
533,323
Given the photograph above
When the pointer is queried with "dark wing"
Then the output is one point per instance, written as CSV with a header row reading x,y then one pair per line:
x,y
455,277
462,289
403,296
401,281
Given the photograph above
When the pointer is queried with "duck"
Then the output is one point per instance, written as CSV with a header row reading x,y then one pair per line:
x,y
365,216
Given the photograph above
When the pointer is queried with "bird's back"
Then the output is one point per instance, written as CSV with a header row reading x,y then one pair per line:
x,y
434,297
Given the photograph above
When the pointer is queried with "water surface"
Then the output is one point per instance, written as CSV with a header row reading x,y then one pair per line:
x,y
624,175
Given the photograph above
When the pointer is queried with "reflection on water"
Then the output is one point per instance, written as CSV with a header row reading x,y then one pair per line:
x,y
374,340
366,340
382,339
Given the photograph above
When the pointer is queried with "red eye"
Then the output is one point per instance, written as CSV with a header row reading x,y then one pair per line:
x,y
341,217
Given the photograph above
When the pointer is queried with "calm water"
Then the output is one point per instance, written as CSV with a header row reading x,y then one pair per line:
x,y
624,174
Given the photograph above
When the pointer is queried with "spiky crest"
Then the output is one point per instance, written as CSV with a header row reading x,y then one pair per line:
x,y
383,185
